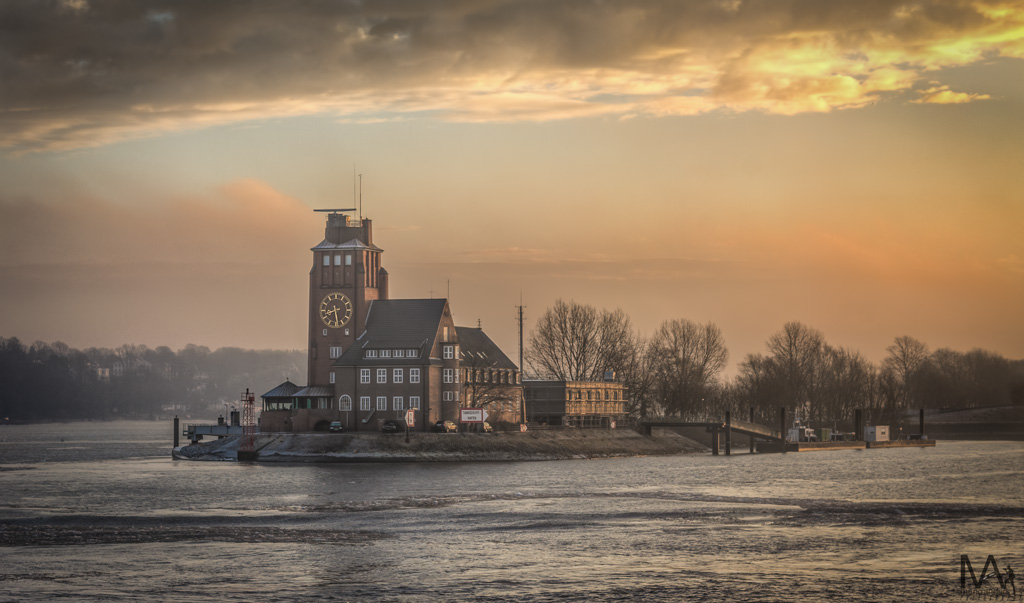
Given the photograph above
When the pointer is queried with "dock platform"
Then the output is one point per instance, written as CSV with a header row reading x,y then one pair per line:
x,y
852,445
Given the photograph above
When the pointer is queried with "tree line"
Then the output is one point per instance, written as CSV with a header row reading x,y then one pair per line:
x,y
52,381
677,370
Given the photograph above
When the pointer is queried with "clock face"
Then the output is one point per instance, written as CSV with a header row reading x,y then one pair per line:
x,y
335,310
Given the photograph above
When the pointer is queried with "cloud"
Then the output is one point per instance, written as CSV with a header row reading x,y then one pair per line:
x,y
79,73
942,95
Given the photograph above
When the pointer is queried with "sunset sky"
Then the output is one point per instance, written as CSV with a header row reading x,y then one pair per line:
x,y
854,165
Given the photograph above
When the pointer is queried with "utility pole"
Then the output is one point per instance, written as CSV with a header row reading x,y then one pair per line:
x,y
522,396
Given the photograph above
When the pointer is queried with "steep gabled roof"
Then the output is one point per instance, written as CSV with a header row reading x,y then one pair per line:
x,y
398,324
479,351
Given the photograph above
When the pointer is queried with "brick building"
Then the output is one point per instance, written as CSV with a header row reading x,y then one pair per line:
x,y
575,403
371,358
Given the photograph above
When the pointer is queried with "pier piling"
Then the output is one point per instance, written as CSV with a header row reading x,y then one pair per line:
x,y
728,433
751,437
782,427
176,431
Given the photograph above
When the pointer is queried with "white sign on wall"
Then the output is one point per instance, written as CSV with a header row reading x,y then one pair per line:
x,y
472,415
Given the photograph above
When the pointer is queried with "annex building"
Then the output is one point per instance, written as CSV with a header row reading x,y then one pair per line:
x,y
371,358
575,403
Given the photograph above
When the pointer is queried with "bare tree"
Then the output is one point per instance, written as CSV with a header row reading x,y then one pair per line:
x,y
907,356
686,359
796,351
843,383
576,342
637,376
759,385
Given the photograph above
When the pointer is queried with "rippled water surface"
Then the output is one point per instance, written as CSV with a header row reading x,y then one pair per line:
x,y
99,512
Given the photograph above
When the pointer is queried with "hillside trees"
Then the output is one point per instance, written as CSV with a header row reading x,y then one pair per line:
x,y
55,382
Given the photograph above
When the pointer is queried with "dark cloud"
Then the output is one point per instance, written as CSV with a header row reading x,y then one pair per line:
x,y
86,72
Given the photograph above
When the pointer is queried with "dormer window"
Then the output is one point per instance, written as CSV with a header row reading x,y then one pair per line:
x,y
370,354
399,353
385,353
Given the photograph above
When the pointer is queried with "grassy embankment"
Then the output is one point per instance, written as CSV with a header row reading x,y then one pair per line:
x,y
377,447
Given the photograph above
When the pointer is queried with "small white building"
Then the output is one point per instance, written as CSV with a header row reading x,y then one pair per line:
x,y
876,433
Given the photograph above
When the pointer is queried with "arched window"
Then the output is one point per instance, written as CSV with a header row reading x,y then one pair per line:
x,y
345,403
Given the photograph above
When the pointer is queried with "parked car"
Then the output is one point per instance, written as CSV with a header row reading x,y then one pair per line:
x,y
390,426
446,427
337,426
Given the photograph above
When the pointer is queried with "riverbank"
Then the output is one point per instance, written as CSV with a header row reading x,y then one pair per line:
x,y
441,447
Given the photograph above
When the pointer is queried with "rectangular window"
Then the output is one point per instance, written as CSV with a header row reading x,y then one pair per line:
x,y
449,352
370,354
327,259
444,337
321,403
397,403
364,376
364,402
337,259
335,351
332,376
412,353
385,353
382,402
348,259
382,375
397,375
399,353
414,375
448,377
447,396
414,402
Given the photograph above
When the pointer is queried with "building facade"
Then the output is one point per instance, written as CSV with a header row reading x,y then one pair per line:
x,y
574,403
372,358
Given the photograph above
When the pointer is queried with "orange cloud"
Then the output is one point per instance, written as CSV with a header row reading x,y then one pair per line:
x,y
942,95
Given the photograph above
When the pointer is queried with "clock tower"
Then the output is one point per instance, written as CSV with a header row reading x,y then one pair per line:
x,y
346,276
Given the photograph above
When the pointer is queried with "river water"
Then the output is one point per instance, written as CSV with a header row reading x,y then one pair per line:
x,y
100,512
